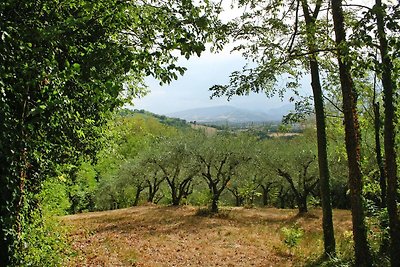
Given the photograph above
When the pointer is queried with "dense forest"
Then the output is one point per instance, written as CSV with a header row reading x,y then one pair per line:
x,y
67,68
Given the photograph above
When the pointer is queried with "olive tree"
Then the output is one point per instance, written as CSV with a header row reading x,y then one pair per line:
x,y
295,161
174,159
219,158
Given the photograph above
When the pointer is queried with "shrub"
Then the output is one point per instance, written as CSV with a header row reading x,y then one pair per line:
x,y
292,236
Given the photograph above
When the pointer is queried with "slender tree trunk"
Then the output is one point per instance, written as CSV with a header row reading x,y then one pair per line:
x,y
324,176
352,139
238,198
389,137
239,201
137,195
7,216
323,165
378,154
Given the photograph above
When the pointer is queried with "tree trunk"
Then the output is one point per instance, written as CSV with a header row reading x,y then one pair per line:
x,y
174,195
389,137
378,154
352,139
7,221
281,197
151,194
324,177
238,198
239,201
302,204
137,195
265,195
214,203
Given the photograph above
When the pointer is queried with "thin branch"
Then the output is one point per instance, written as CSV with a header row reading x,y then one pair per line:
x,y
333,104
317,9
357,5
296,23
368,111
291,56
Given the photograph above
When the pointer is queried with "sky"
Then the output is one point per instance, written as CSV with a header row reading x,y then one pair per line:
x,y
192,89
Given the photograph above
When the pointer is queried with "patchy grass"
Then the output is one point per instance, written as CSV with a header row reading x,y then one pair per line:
x,y
179,236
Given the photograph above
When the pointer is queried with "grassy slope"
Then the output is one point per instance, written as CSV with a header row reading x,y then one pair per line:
x,y
170,236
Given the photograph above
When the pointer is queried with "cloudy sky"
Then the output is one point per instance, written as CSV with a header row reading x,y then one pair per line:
x,y
191,90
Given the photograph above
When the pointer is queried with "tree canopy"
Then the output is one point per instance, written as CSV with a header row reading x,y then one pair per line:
x,y
64,66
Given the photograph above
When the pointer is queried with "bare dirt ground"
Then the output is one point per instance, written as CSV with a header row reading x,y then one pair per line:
x,y
179,236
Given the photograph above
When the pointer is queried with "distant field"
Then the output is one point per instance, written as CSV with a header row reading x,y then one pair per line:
x,y
284,134
178,236
207,130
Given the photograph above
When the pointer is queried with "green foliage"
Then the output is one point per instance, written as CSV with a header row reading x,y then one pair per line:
x,y
82,189
122,165
43,243
200,196
292,236
294,162
173,122
65,66
219,158
54,195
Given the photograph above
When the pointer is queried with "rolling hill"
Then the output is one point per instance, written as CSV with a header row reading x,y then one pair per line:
x,y
230,114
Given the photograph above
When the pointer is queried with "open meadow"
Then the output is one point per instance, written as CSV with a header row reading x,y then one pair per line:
x,y
188,236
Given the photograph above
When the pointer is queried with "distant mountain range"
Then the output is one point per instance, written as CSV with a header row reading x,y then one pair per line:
x,y
231,114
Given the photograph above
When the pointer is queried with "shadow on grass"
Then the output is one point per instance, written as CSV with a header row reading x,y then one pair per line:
x,y
161,220
325,261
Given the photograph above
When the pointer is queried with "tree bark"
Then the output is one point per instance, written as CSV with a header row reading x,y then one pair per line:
x,y
265,193
151,194
214,203
154,186
352,140
323,166
378,154
302,204
389,136
174,195
282,195
7,217
139,190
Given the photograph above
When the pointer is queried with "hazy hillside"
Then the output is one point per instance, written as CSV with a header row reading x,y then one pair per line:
x,y
230,114
174,122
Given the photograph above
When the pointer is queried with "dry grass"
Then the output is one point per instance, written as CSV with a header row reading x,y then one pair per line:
x,y
178,236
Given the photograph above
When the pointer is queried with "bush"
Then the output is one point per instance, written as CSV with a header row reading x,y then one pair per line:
x,y
54,197
292,236
43,243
